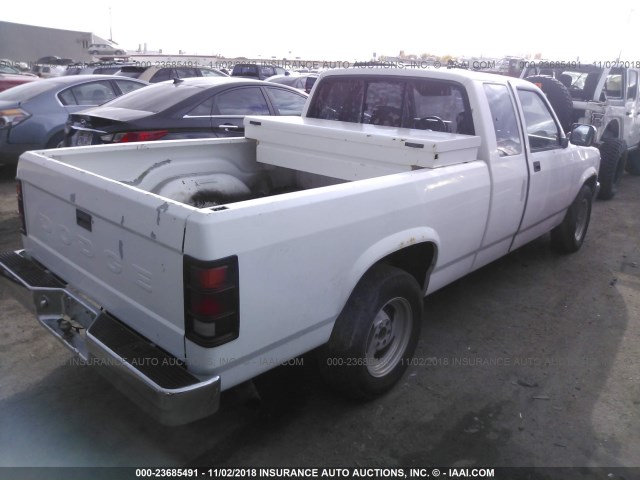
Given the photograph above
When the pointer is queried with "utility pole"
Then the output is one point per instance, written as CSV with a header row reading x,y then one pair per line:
x,y
110,27
626,34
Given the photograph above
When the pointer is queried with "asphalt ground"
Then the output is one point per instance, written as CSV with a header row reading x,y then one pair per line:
x,y
533,360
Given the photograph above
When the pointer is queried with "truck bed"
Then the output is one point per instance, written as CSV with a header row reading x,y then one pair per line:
x,y
116,223
279,155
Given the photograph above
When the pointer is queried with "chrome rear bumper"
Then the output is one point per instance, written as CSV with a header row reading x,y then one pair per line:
x,y
158,382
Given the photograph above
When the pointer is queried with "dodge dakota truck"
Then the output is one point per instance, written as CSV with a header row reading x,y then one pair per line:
x,y
183,268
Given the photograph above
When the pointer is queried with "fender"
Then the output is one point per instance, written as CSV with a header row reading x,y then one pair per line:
x,y
387,246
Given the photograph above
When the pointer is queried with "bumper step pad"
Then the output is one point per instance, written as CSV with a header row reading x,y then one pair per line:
x,y
31,273
164,369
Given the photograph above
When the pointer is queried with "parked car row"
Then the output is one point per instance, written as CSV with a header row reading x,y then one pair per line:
x,y
189,108
54,112
47,67
151,74
10,76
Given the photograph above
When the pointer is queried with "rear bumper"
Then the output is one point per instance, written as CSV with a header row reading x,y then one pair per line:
x,y
10,152
155,380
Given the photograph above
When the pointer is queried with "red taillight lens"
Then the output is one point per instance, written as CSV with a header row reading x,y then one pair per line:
x,y
23,222
205,306
210,278
211,301
139,136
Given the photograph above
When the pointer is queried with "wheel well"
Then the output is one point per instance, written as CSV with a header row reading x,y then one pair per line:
x,y
54,139
591,182
417,260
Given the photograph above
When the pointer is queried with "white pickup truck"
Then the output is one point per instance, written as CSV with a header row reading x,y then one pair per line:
x,y
183,268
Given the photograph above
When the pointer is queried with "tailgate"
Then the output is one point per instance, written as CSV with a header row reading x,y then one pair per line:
x,y
119,245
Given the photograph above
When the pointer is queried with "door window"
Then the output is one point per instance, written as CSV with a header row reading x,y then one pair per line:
x,y
241,101
542,130
286,102
93,93
504,119
202,110
162,75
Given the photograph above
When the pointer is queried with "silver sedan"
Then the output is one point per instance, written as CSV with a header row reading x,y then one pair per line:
x,y
33,115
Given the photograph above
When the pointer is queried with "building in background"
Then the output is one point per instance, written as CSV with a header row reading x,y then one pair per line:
x,y
28,43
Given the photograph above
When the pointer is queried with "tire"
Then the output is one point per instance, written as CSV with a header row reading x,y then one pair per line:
x,y
375,335
633,162
119,52
613,156
558,96
56,141
569,236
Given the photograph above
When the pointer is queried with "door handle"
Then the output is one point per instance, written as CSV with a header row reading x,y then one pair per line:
x,y
229,126
536,166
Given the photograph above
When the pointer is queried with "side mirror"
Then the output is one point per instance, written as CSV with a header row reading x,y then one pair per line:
x,y
582,135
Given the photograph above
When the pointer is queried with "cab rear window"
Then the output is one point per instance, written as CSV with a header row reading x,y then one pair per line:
x,y
425,104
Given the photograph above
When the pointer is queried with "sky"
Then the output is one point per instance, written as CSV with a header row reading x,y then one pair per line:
x,y
340,30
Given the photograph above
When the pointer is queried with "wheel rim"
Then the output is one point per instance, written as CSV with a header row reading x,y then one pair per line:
x,y
582,217
389,336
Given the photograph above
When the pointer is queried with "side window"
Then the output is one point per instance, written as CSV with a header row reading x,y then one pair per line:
x,y
504,119
542,130
126,87
161,75
94,93
202,110
66,97
184,72
241,101
209,72
287,103
613,86
632,87
266,72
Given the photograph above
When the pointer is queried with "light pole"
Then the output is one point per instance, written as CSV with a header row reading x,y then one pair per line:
x,y
110,27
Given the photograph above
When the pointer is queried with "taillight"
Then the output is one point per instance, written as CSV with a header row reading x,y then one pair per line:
x,y
23,223
125,137
211,301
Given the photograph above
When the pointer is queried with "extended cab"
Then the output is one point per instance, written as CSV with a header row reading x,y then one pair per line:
x,y
184,268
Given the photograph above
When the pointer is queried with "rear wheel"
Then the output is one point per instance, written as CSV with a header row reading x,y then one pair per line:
x,y
56,141
613,156
569,236
376,334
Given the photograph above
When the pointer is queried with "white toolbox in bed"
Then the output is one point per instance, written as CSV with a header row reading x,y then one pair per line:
x,y
352,151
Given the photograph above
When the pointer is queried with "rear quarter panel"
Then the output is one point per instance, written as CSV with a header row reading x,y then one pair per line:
x,y
300,256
